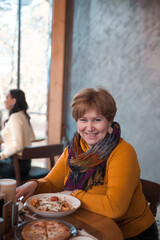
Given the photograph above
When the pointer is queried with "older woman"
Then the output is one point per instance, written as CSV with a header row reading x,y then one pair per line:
x,y
100,168
17,133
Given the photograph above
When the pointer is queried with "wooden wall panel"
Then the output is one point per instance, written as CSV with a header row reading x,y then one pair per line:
x,y
55,98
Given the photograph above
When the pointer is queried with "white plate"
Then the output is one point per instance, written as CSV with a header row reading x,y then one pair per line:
x,y
20,206
74,203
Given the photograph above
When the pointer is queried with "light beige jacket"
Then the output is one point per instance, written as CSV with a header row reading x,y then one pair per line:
x,y
16,134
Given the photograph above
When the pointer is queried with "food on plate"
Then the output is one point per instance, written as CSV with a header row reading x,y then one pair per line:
x,y
46,230
51,204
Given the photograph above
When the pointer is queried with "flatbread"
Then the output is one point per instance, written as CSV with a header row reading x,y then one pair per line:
x,y
46,230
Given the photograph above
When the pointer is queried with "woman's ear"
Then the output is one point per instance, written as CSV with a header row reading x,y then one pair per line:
x,y
110,130
13,101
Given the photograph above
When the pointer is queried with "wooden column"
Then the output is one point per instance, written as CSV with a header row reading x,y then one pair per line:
x,y
55,98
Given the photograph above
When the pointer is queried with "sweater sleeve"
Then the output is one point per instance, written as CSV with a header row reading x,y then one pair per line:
x,y
113,198
33,137
16,142
54,181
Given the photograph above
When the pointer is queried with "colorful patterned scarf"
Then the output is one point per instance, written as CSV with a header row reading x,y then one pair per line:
x,y
88,168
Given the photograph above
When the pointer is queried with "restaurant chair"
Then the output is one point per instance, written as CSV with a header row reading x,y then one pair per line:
x,y
151,191
33,152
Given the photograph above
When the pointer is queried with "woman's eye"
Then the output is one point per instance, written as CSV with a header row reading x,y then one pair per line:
x,y
97,120
82,119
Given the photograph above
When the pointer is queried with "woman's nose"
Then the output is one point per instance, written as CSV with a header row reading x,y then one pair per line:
x,y
90,126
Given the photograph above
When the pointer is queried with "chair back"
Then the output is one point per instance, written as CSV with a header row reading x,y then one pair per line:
x,y
39,152
46,151
151,191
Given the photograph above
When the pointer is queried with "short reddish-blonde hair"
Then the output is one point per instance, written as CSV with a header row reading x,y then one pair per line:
x,y
94,98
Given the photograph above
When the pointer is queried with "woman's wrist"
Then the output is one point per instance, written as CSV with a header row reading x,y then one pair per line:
x,y
74,191
36,184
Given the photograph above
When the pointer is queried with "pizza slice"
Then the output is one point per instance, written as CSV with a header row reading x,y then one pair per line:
x,y
57,231
35,230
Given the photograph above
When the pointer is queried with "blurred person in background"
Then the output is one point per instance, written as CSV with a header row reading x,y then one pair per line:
x,y
17,133
100,168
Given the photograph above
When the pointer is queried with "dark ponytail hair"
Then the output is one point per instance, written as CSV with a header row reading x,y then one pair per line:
x,y
21,104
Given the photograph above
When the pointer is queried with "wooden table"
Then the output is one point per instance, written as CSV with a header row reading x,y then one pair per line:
x,y
101,227
97,225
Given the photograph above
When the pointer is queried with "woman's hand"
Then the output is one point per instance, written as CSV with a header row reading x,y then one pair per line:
x,y
26,190
69,192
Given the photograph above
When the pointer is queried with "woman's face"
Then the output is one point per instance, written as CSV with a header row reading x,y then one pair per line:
x,y
9,101
93,127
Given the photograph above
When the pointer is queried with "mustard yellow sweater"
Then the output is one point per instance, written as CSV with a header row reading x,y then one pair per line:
x,y
119,198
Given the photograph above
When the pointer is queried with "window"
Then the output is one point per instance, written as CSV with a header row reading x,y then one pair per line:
x,y
24,56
